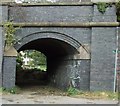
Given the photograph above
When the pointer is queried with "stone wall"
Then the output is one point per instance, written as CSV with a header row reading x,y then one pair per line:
x,y
118,61
69,0
3,18
66,73
1,50
9,71
96,73
102,46
103,58
1,56
51,13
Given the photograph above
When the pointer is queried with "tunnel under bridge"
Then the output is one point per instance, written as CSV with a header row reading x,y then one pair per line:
x,y
77,40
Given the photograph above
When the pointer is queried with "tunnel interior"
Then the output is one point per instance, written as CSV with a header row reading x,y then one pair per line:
x,y
50,47
56,52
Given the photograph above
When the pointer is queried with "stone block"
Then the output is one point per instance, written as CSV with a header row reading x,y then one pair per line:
x,y
102,58
51,14
84,52
108,16
4,13
9,72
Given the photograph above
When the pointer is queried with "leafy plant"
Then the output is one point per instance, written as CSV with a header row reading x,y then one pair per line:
x,y
19,61
10,38
2,89
118,10
13,90
72,91
102,6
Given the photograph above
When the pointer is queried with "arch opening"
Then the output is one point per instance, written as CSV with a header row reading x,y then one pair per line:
x,y
57,54
31,67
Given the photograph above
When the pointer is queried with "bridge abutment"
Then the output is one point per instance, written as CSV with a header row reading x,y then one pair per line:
x,y
1,56
103,43
70,72
9,72
9,68
82,27
3,18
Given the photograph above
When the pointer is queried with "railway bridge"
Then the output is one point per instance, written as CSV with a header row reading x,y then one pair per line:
x,y
78,40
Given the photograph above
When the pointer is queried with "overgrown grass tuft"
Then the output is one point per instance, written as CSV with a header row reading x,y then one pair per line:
x,y
72,91
14,90
97,95
92,95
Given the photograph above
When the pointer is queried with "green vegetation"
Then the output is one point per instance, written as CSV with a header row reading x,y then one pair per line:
x,y
99,95
38,57
42,67
19,61
92,95
118,11
102,6
10,37
13,90
1,89
37,60
72,91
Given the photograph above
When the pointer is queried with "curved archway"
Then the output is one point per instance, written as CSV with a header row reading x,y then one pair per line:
x,y
58,48
48,35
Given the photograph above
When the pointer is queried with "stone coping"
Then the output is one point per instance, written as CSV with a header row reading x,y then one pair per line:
x,y
51,4
66,24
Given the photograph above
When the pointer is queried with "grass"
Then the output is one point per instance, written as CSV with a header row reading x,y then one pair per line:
x,y
14,90
1,89
97,95
72,92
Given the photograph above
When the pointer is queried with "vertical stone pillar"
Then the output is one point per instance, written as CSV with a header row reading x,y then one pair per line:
x,y
102,56
9,68
1,55
1,52
3,18
118,61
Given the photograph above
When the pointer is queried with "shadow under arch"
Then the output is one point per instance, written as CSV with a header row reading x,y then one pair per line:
x,y
48,35
59,49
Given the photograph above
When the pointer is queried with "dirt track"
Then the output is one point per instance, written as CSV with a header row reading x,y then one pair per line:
x,y
48,96
28,99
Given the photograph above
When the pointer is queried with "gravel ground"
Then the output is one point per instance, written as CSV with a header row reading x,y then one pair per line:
x,y
28,99
35,95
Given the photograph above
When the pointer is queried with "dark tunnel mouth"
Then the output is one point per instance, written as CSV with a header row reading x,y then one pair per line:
x,y
52,48
56,51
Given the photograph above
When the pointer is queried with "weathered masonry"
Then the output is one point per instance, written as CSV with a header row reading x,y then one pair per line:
x,y
77,39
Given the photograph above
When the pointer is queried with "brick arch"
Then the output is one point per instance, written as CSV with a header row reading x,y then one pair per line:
x,y
48,34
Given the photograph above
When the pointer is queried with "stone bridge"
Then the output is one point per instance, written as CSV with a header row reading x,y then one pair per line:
x,y
77,39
